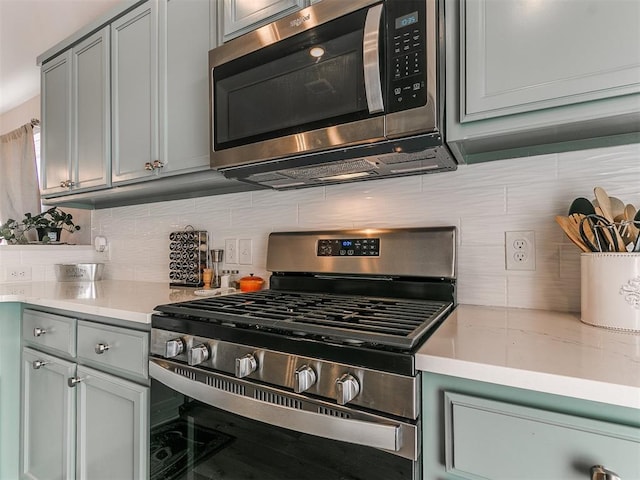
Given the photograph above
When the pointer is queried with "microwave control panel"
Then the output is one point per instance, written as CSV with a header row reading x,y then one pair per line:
x,y
407,69
349,247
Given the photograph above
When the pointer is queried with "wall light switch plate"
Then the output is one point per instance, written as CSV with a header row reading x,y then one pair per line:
x,y
244,251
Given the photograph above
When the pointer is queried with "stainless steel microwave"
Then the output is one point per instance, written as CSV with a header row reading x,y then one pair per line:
x,y
339,91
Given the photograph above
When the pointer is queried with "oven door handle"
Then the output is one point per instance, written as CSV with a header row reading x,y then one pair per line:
x,y
385,436
371,59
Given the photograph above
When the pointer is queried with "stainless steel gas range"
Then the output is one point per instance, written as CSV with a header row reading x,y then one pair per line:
x,y
318,371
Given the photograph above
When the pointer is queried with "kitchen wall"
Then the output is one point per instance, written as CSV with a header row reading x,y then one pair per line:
x,y
483,201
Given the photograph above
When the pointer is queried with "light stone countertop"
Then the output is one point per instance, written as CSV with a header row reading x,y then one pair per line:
x,y
537,350
124,300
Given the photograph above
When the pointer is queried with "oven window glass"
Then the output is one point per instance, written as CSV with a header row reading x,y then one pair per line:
x,y
314,79
203,442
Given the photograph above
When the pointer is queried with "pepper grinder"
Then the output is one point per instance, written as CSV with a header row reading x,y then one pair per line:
x,y
216,261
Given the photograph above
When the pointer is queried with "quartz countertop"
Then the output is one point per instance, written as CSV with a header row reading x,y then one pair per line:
x,y
537,350
124,300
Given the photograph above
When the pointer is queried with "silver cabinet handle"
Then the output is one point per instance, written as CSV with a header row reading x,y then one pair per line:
x,y
101,348
370,58
67,184
157,164
73,381
598,472
38,364
38,332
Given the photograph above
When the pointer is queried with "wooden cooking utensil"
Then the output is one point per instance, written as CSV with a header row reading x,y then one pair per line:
x,y
569,228
604,203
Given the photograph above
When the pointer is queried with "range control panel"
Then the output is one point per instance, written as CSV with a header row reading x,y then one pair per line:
x,y
349,247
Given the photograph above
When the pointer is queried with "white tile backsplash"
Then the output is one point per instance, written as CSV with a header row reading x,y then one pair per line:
x,y
482,200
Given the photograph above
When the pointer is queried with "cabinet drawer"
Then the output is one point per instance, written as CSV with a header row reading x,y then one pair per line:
x,y
114,349
54,333
489,439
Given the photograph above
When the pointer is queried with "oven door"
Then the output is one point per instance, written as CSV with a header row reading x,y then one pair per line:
x,y
299,86
207,425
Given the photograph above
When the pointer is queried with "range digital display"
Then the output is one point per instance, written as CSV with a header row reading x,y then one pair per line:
x,y
349,247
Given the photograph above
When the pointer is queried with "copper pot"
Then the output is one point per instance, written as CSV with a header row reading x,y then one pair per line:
x,y
251,283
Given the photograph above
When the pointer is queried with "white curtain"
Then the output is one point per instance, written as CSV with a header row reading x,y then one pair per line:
x,y
19,190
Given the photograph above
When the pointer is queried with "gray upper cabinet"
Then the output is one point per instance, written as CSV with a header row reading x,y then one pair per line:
x,y
187,33
56,123
75,112
91,154
242,16
134,83
523,74
129,103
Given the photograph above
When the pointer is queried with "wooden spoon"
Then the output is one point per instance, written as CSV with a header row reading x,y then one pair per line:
x,y
569,228
629,213
617,209
604,203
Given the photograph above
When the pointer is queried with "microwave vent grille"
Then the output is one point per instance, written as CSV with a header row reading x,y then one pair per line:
x,y
331,169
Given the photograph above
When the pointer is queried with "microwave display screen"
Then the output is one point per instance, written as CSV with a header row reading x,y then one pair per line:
x,y
406,20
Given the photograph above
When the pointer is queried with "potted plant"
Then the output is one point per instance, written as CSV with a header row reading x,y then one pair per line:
x,y
49,225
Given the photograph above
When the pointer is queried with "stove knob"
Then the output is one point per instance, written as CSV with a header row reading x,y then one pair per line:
x,y
304,379
173,348
246,365
347,388
197,354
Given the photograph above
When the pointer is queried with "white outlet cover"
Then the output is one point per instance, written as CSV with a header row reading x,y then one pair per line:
x,y
520,250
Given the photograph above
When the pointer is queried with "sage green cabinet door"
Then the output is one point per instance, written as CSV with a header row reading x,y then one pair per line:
x,y
187,33
520,57
112,419
134,84
55,142
10,353
498,440
48,417
91,112
242,16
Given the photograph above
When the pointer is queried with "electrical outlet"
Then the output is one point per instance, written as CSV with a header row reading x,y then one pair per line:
x,y
244,251
520,250
231,251
19,274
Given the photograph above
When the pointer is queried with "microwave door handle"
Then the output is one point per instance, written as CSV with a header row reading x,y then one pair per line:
x,y
371,59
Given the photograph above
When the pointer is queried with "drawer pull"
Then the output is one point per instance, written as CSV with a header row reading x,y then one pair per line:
x,y
38,332
598,472
73,381
101,348
38,364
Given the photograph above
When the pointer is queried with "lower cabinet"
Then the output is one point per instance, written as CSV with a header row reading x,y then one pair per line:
x,y
475,430
79,421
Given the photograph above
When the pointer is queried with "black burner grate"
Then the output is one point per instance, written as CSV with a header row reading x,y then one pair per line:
x,y
343,318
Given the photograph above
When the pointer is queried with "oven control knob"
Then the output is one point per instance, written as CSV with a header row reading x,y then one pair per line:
x,y
304,379
347,388
198,354
246,365
173,348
